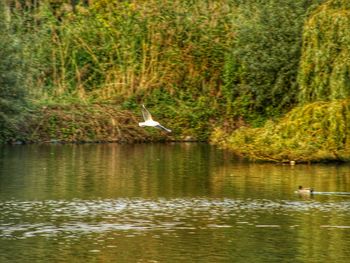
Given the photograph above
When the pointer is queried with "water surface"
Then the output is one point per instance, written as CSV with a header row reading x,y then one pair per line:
x,y
166,203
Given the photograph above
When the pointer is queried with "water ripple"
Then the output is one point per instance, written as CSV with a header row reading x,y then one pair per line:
x,y
23,219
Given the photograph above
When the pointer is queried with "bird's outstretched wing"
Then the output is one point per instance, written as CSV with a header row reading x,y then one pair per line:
x,y
163,128
146,114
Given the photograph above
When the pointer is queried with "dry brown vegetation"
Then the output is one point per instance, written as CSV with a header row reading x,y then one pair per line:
x,y
85,123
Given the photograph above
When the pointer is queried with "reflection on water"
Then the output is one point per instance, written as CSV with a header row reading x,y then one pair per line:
x,y
49,218
166,203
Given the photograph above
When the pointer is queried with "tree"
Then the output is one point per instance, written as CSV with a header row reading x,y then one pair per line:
x,y
325,65
12,91
260,74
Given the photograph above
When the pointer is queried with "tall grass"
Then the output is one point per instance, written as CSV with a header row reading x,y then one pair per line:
x,y
240,51
123,48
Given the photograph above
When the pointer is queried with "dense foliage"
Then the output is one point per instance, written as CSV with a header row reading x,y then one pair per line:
x,y
196,64
325,66
315,132
260,71
116,49
12,68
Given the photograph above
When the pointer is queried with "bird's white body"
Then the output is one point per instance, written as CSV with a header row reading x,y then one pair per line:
x,y
149,122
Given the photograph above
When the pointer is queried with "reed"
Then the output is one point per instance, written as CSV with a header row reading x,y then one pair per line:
x,y
114,49
245,54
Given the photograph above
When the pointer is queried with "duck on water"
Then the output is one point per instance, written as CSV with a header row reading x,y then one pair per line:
x,y
310,191
304,191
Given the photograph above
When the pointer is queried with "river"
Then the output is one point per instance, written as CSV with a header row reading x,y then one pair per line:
x,y
176,202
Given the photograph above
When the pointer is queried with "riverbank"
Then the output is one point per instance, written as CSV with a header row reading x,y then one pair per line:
x,y
92,123
316,132
80,124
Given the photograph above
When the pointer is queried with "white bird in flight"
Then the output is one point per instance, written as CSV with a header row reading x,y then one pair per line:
x,y
149,121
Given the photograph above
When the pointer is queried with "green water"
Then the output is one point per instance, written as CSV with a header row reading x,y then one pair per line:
x,y
166,203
